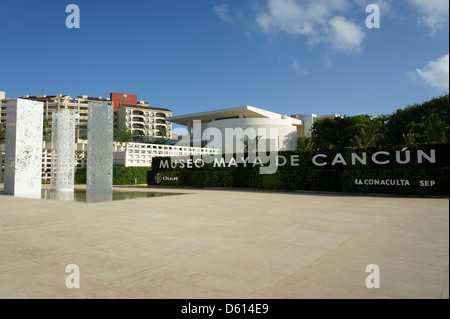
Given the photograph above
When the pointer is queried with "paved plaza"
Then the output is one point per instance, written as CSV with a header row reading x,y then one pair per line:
x,y
225,244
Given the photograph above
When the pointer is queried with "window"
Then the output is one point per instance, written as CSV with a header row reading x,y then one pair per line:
x,y
146,113
128,118
153,113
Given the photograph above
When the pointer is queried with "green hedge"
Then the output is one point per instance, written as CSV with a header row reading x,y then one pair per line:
x,y
121,175
80,176
308,177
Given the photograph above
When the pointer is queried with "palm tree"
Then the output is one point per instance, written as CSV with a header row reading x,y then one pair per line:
x,y
250,144
409,138
163,131
123,136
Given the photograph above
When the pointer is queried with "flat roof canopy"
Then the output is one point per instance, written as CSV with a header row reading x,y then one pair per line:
x,y
234,112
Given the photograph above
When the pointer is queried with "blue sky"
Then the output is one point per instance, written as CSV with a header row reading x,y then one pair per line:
x,y
286,56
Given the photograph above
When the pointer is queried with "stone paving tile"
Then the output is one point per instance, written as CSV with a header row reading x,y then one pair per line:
x,y
225,244
110,263
275,257
298,234
196,277
398,279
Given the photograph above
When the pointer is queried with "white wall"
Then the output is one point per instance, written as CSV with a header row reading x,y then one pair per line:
x,y
287,133
308,120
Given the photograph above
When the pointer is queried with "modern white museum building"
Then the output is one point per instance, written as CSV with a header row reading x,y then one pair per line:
x,y
244,117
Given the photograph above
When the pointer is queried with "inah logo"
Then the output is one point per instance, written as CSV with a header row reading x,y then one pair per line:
x,y
158,178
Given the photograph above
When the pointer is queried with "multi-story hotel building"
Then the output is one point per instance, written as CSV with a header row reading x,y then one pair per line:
x,y
57,102
153,125
145,120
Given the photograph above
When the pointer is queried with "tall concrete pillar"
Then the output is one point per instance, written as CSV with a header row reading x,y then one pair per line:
x,y
63,151
23,148
100,147
2,159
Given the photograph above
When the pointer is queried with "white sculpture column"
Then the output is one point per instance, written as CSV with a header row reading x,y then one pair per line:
x,y
63,151
100,149
2,150
23,148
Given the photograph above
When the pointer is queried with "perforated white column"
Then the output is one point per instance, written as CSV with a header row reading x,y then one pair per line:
x,y
100,147
63,151
23,148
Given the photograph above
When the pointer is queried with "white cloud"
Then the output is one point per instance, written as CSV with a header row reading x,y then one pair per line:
x,y
223,12
345,35
318,20
298,68
384,5
436,74
434,13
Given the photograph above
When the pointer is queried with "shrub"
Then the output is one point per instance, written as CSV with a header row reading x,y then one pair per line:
x,y
309,177
121,175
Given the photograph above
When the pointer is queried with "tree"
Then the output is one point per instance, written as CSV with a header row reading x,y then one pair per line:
x,y
436,129
409,138
414,117
415,124
2,132
250,144
367,131
163,131
355,131
305,143
83,136
47,132
122,136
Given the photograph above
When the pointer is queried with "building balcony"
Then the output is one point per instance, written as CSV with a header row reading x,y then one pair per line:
x,y
137,119
158,114
138,132
138,113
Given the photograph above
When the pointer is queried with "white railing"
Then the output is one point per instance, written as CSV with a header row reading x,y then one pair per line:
x,y
140,154
125,154
46,159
